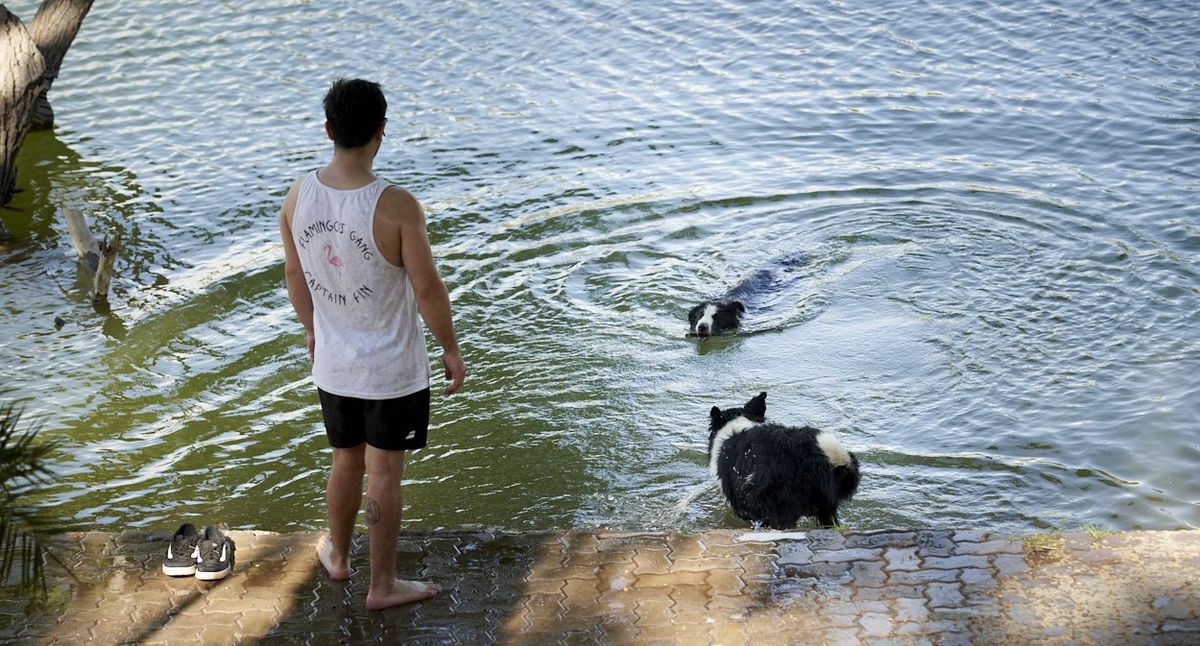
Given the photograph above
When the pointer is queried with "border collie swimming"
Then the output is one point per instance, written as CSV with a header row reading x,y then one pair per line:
x,y
713,318
772,474
724,315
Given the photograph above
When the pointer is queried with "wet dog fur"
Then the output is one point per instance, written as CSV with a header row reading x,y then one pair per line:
x,y
714,318
772,475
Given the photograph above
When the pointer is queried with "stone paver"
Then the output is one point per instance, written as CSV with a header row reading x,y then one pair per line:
x,y
599,587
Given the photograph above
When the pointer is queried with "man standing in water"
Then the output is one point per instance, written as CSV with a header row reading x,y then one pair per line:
x,y
359,268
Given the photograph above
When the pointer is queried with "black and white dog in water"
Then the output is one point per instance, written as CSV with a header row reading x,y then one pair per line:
x,y
714,318
723,315
772,474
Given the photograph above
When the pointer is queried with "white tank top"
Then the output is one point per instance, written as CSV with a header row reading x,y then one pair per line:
x,y
369,343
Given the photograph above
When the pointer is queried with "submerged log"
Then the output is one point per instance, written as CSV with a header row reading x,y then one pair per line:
x,y
97,257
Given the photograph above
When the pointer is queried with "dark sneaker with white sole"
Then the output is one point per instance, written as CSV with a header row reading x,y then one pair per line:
x,y
183,552
216,555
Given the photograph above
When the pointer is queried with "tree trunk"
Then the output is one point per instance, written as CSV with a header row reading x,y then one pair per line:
x,y
53,29
21,68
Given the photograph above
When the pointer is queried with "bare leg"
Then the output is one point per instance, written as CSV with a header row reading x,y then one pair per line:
x,y
384,505
343,495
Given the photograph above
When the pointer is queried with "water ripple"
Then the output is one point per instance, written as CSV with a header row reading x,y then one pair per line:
x,y
994,207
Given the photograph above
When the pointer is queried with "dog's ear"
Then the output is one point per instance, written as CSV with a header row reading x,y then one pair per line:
x,y
715,415
737,305
758,406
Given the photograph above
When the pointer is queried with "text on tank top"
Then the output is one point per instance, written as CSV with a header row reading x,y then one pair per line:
x,y
369,343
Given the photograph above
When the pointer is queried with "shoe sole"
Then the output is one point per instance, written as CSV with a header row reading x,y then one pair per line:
x,y
212,576
183,570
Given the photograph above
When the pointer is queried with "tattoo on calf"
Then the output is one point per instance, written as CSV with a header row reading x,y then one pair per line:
x,y
372,511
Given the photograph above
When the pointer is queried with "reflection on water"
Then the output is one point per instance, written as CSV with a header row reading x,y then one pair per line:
x,y
996,313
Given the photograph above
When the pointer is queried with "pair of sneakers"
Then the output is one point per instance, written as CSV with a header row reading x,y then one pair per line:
x,y
207,555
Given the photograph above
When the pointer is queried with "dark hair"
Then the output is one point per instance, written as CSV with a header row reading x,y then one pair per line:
x,y
354,109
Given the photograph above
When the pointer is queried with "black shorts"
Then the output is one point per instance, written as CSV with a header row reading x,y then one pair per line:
x,y
396,424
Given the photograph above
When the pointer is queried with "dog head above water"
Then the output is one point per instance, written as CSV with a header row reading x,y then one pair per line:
x,y
754,412
712,318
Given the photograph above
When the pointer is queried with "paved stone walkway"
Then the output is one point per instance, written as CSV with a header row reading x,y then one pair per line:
x,y
583,587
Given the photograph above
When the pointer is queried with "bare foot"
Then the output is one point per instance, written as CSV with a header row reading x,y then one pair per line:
x,y
335,565
402,592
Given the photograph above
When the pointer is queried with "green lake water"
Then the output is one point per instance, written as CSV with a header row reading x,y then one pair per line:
x,y
997,207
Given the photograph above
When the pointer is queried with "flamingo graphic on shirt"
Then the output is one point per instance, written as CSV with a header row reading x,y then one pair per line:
x,y
333,260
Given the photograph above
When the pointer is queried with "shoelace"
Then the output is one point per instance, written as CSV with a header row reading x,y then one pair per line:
x,y
181,548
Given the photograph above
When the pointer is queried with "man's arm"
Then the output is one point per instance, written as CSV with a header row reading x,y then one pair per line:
x,y
432,299
293,273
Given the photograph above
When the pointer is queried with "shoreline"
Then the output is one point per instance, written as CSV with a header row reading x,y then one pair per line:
x,y
598,586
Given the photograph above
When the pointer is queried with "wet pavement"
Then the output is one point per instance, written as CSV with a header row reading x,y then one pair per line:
x,y
583,587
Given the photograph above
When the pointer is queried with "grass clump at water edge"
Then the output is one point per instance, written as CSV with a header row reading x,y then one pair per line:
x,y
1042,543
1097,531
